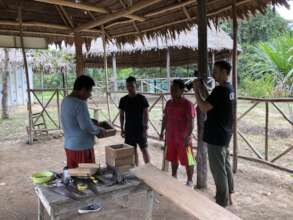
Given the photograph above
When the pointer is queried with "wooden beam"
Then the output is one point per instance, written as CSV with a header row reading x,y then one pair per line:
x,y
69,20
192,202
170,8
282,154
203,71
29,102
79,57
81,6
61,15
136,7
87,7
235,84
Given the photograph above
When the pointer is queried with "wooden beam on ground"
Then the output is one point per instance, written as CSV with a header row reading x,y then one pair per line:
x,y
189,200
110,17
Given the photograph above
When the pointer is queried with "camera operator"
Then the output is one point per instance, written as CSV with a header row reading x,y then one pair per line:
x,y
218,129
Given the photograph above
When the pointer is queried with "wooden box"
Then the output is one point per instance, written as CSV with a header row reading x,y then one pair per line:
x,y
120,156
82,172
110,130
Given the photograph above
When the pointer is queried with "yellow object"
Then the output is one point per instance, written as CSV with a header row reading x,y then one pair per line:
x,y
190,158
42,177
82,187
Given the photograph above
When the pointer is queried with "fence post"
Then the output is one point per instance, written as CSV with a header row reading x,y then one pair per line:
x,y
267,132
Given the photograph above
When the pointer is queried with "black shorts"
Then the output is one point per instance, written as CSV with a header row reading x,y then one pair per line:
x,y
141,142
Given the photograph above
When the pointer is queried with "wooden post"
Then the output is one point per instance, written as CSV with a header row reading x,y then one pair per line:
x,y
267,132
168,70
234,82
203,71
106,74
114,68
78,56
29,103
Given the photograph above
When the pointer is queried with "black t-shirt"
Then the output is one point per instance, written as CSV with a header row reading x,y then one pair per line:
x,y
133,108
218,126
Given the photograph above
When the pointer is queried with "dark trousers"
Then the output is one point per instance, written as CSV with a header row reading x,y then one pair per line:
x,y
220,166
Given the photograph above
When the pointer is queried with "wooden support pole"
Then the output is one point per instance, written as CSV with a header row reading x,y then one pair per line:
x,y
267,132
29,102
203,71
114,69
168,69
78,55
234,82
106,73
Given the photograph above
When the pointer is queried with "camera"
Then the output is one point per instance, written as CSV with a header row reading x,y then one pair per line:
x,y
189,84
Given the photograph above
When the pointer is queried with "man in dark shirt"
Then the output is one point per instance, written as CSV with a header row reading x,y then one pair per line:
x,y
218,129
134,112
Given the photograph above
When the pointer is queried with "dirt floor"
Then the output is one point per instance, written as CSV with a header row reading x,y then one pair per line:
x,y
261,192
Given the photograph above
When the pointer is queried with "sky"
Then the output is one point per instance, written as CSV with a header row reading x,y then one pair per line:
x,y
285,13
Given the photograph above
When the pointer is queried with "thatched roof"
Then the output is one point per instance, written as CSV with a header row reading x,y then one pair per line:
x,y
152,52
123,20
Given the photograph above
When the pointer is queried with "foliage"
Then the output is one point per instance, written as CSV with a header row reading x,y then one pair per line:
x,y
262,87
260,27
275,58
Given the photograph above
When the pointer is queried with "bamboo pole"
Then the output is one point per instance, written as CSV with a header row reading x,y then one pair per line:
x,y
234,82
106,73
168,69
267,132
29,102
203,70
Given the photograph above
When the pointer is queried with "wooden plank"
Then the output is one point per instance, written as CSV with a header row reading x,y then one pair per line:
x,y
191,201
82,171
110,17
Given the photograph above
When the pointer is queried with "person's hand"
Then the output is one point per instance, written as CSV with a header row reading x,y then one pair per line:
x,y
187,141
196,84
95,122
122,133
102,133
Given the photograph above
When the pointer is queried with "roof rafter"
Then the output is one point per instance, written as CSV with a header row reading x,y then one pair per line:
x,y
87,7
110,17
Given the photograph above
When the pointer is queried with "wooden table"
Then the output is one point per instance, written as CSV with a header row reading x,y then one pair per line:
x,y
58,206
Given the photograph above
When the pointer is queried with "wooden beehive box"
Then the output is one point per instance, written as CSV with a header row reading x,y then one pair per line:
x,y
120,156
110,130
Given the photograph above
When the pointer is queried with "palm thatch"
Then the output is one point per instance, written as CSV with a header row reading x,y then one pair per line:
x,y
152,52
122,20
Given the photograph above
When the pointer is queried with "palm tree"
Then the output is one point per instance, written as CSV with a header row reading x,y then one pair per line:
x,y
275,57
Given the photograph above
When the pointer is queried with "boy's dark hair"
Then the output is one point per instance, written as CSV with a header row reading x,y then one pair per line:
x,y
224,65
131,79
83,81
179,83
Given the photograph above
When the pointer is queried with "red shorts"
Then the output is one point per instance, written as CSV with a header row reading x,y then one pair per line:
x,y
177,154
81,156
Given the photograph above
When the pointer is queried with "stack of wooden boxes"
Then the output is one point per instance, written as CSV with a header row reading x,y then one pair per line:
x,y
120,157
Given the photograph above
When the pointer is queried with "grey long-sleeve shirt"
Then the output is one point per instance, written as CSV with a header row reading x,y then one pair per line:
x,y
79,130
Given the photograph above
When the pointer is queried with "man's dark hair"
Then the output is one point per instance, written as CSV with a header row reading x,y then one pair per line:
x,y
131,79
224,65
179,83
83,81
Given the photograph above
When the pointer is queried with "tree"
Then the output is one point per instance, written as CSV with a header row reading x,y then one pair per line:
x,y
275,58
5,77
260,27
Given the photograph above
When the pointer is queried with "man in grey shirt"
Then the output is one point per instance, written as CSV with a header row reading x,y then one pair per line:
x,y
79,130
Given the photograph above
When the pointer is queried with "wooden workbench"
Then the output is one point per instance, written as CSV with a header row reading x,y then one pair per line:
x,y
58,206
